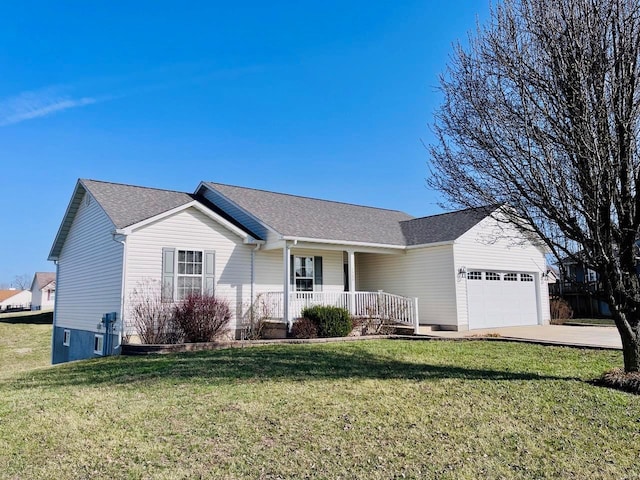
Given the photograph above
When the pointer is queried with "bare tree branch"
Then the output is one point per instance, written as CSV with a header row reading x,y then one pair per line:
x,y
22,282
542,113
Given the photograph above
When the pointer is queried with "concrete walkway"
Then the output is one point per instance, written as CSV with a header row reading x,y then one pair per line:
x,y
603,337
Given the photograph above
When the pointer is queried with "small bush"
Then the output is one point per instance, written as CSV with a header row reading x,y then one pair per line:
x,y
151,318
304,328
330,321
560,309
256,316
202,318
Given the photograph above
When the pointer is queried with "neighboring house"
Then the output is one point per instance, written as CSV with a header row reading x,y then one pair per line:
x,y
14,299
43,291
580,287
457,271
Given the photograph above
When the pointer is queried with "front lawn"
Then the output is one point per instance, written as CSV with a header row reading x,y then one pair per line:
x,y
371,409
23,347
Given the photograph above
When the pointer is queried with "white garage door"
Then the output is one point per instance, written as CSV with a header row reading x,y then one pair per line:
x,y
501,299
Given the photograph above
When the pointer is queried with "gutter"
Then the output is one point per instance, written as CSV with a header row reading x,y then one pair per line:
x,y
55,308
341,242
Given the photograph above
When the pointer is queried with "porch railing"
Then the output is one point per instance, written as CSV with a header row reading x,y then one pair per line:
x,y
380,305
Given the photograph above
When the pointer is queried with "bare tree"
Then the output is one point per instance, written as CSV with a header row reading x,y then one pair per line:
x,y
542,112
22,282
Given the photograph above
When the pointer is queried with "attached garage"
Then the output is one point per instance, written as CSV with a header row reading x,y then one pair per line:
x,y
501,299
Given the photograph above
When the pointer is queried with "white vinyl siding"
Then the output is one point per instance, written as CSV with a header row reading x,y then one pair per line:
x,y
190,229
36,298
43,299
89,270
425,273
493,247
270,269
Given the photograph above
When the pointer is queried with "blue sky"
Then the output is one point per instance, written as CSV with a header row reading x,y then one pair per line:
x,y
325,99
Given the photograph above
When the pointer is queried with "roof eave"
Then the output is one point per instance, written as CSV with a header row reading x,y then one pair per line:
x,y
342,242
432,244
67,220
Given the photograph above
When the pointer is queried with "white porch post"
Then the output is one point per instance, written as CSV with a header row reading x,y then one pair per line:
x,y
286,252
352,280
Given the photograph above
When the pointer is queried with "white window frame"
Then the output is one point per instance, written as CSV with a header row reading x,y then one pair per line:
x,y
492,276
306,277
178,275
510,277
474,275
526,277
98,344
66,337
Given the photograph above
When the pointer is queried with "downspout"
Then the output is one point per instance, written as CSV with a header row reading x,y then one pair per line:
x,y
122,286
285,301
253,277
55,308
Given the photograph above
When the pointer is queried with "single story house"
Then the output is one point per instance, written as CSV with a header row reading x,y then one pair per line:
x,y
43,291
14,299
460,270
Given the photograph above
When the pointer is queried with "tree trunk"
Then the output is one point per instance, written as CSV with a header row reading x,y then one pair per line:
x,y
630,341
630,351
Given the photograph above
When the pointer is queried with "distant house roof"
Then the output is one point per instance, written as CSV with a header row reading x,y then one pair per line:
x,y
42,279
443,227
296,216
5,294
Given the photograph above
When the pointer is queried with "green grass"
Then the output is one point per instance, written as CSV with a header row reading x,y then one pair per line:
x,y
607,322
375,409
23,347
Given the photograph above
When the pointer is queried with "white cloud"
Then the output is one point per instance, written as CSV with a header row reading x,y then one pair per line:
x,y
38,103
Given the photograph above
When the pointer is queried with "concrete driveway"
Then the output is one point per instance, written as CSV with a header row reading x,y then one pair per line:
x,y
604,337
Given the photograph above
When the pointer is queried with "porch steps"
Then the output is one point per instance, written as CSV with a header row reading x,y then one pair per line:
x,y
427,329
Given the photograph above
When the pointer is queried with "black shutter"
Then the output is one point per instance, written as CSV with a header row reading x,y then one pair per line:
x,y
317,271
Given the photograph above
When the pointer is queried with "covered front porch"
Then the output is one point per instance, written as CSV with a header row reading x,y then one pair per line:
x,y
389,308
321,274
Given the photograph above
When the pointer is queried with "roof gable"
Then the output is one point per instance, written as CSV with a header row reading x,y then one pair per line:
x,y
42,279
311,218
129,205
444,227
126,205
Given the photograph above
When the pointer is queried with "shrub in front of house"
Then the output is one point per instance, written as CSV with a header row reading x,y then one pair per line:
x,y
202,318
151,317
304,328
560,310
330,321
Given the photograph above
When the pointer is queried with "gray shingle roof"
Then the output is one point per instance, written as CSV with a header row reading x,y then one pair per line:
x,y
296,216
43,279
127,204
443,227
289,215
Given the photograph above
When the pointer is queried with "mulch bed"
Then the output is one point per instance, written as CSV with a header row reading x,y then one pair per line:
x,y
621,380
